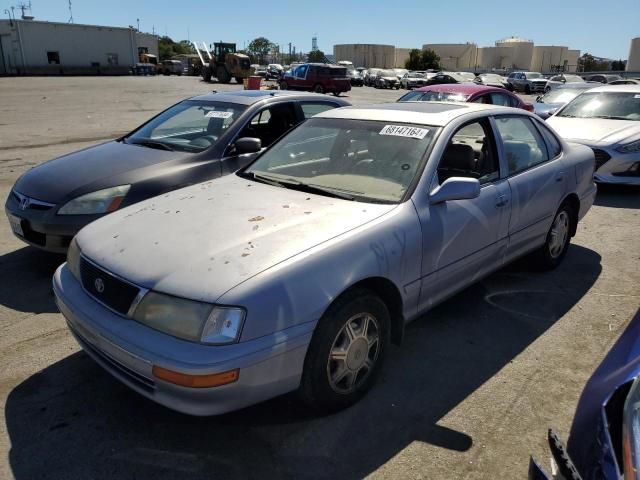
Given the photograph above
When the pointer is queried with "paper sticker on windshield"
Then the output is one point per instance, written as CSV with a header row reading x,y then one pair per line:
x,y
403,131
217,114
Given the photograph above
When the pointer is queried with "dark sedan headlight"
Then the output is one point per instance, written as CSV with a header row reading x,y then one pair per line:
x,y
189,319
101,201
631,433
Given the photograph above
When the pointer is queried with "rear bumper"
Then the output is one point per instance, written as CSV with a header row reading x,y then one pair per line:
x,y
269,366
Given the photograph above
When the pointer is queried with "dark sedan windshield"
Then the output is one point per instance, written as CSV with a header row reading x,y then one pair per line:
x,y
366,161
611,105
190,126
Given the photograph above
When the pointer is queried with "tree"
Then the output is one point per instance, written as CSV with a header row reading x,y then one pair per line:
x,y
422,60
259,48
588,63
414,62
430,60
619,65
167,48
316,56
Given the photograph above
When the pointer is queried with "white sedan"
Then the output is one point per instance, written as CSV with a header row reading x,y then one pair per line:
x,y
607,119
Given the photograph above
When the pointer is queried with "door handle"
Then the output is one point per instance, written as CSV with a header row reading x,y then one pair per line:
x,y
502,201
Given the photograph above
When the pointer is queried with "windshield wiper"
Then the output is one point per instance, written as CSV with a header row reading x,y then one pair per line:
x,y
151,144
294,184
610,117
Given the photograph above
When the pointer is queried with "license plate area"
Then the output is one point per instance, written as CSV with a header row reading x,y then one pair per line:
x,y
16,225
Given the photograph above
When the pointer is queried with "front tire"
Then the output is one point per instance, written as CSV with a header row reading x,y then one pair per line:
x,y
222,75
551,254
346,352
284,86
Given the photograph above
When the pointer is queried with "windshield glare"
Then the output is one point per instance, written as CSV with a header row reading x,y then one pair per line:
x,y
561,95
369,160
614,105
190,126
416,96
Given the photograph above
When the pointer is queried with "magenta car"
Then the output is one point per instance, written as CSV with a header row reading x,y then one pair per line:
x,y
466,92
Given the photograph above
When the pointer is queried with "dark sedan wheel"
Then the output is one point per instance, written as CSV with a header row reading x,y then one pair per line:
x,y
346,351
551,254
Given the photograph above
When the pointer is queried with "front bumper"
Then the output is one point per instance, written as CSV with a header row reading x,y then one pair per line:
x,y
614,167
269,366
538,86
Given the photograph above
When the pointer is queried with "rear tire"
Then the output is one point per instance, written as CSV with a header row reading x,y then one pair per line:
x,y
206,73
346,351
555,247
318,88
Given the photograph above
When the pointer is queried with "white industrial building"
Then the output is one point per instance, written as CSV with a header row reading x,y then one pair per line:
x,y
31,47
371,55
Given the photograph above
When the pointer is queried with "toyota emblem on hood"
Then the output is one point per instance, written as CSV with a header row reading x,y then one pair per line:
x,y
98,283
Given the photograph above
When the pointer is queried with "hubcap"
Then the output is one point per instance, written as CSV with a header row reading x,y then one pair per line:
x,y
559,234
354,353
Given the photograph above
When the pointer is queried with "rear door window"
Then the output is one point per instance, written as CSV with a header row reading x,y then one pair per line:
x,y
310,109
523,145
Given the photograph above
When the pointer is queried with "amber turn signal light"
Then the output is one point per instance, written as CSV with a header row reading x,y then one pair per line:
x,y
196,381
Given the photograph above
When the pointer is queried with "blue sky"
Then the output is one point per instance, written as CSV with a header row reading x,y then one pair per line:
x,y
603,28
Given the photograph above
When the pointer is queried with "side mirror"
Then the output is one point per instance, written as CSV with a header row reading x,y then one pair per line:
x,y
248,145
539,98
455,188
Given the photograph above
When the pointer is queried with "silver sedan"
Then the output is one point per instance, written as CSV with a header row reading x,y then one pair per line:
x,y
297,272
606,119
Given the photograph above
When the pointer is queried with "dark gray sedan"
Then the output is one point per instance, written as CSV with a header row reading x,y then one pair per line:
x,y
200,138
549,103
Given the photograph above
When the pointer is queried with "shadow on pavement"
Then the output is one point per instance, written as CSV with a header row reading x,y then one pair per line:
x,y
73,421
618,196
25,283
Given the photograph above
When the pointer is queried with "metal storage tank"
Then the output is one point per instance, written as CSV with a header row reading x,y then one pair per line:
x,y
455,56
366,54
633,63
519,53
549,58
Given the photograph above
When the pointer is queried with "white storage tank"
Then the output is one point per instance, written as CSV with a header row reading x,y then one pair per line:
x,y
633,63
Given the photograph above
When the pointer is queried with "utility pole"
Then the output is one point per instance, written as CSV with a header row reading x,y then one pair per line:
x,y
289,52
138,20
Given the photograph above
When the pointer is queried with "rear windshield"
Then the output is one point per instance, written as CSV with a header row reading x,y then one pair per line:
x,y
416,96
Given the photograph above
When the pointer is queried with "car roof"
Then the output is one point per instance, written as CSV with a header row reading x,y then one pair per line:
x,y
424,113
249,97
465,88
617,88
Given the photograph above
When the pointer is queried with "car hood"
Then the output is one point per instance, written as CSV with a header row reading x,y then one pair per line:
x,y
201,241
595,130
391,79
88,170
539,80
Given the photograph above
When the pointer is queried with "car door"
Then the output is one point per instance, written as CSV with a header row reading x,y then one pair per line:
x,y
300,77
464,239
537,180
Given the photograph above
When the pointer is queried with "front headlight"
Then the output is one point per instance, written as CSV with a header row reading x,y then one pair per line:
x,y
632,147
101,201
189,319
73,258
631,433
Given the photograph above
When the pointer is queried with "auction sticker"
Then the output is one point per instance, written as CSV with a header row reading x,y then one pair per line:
x,y
214,114
404,131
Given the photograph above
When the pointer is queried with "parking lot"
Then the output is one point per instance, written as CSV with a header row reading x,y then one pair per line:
x,y
470,394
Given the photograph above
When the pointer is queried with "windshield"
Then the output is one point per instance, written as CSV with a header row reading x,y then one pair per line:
x,y
562,95
491,76
361,160
612,105
417,96
190,126
533,75
387,73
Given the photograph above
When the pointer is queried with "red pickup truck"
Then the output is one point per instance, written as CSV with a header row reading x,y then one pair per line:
x,y
317,77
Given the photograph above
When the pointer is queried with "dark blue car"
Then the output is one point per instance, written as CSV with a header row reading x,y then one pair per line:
x,y
604,442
